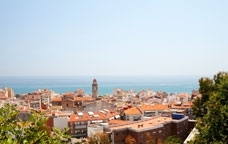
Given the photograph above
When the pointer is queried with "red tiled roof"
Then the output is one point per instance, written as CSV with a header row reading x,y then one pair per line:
x,y
133,111
83,98
56,99
184,105
87,117
145,107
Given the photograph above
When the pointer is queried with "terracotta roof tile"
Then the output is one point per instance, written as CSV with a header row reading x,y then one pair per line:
x,y
132,111
56,99
83,98
94,117
184,105
145,107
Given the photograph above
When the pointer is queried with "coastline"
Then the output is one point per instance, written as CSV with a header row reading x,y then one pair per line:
x,y
106,84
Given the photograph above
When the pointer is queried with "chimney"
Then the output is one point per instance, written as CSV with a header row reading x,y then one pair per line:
x,y
140,125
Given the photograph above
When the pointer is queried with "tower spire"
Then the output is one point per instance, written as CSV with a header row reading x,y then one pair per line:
x,y
94,89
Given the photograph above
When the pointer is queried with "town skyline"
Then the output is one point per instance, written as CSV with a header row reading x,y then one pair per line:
x,y
74,38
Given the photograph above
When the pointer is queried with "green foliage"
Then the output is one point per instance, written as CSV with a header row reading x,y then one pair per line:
x,y
32,131
199,105
172,140
213,125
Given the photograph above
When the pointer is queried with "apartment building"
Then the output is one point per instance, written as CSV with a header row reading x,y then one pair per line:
x,y
143,111
6,93
71,101
78,123
156,129
150,110
58,119
132,114
184,107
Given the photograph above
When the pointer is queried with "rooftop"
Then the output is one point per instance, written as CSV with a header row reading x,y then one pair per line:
x,y
182,105
147,107
133,111
111,122
85,98
144,124
57,99
92,116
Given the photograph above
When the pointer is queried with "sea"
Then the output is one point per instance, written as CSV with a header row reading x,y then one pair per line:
x,y
106,84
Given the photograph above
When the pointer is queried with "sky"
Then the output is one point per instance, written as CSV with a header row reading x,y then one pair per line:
x,y
100,37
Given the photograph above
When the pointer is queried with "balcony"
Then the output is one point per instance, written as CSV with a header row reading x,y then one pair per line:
x,y
80,126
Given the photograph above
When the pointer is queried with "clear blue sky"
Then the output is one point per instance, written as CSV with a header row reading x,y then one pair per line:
x,y
43,38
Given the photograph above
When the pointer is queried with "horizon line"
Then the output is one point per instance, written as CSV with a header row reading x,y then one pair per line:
x,y
94,76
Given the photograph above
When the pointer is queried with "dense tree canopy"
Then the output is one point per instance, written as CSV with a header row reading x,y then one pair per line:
x,y
199,107
32,131
213,123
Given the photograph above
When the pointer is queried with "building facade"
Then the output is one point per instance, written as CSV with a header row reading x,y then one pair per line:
x,y
155,130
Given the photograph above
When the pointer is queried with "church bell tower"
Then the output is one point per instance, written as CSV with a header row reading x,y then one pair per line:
x,y
94,89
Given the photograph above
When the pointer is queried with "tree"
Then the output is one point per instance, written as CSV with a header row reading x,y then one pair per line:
x,y
99,138
199,105
172,140
130,140
213,126
32,131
